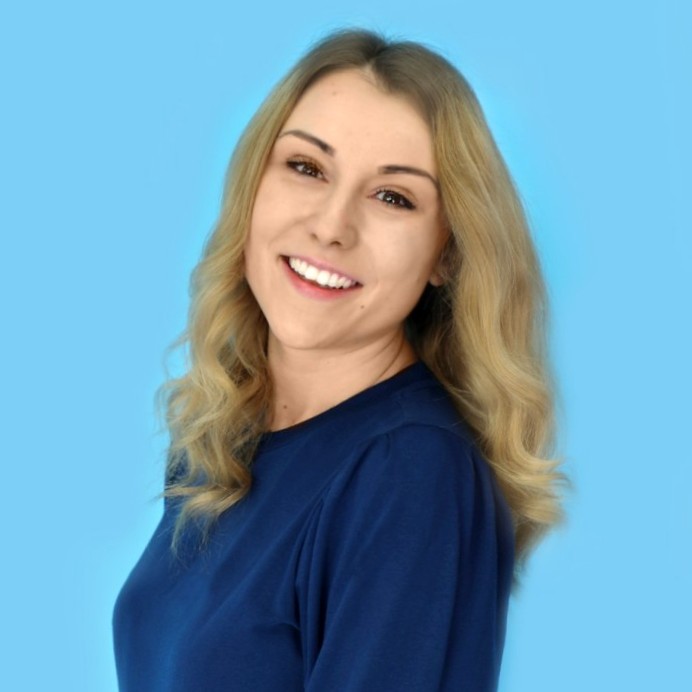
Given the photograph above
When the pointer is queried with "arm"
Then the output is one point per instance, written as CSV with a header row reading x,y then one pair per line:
x,y
410,571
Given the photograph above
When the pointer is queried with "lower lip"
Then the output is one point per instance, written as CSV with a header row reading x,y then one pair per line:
x,y
313,290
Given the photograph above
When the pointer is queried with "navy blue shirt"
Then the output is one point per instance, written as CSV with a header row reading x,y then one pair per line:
x,y
374,552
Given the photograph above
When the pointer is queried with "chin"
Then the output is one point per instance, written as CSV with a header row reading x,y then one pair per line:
x,y
297,336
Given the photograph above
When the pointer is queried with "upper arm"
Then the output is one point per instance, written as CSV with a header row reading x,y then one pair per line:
x,y
407,585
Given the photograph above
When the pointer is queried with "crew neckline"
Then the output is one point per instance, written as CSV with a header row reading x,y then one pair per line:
x,y
274,438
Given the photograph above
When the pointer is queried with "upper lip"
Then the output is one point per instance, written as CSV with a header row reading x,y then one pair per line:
x,y
323,265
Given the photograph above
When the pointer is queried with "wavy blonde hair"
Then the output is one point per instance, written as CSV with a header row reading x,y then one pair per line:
x,y
482,332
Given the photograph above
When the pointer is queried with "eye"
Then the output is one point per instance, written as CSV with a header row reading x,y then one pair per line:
x,y
394,199
304,167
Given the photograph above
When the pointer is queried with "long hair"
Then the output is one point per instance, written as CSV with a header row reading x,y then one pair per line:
x,y
482,333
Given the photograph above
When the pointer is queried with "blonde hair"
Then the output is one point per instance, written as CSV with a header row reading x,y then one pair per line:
x,y
482,332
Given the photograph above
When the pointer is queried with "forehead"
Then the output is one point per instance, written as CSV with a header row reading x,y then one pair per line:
x,y
356,117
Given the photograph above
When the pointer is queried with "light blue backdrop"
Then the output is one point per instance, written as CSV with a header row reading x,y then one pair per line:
x,y
116,123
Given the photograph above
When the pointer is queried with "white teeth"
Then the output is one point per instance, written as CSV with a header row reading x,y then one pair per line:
x,y
320,276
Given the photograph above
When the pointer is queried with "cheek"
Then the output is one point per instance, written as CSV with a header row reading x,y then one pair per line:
x,y
262,229
271,217
410,261
262,206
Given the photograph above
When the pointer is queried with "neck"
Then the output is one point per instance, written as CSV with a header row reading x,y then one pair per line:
x,y
307,383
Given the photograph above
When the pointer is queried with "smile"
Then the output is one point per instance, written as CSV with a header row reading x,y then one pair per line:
x,y
321,277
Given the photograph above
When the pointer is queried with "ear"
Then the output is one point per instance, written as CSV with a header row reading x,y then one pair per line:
x,y
437,275
440,271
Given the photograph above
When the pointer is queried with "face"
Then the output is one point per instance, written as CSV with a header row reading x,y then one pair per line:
x,y
346,228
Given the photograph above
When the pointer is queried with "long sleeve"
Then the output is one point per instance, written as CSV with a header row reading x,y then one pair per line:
x,y
373,553
407,582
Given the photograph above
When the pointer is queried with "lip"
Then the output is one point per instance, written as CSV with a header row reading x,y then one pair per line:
x,y
323,265
313,290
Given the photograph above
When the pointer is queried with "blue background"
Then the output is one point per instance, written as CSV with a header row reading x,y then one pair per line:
x,y
116,124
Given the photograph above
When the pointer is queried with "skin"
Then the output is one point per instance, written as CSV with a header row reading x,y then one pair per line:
x,y
340,207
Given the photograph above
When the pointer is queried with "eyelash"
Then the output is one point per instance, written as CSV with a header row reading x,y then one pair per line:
x,y
403,203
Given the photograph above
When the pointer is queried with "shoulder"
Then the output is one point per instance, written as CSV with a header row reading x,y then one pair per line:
x,y
411,435
424,458
415,492
419,465
413,406
421,434
416,469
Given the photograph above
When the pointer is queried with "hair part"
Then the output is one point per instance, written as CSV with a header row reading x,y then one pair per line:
x,y
482,332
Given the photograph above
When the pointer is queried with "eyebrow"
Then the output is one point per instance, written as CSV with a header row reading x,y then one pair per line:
x,y
388,169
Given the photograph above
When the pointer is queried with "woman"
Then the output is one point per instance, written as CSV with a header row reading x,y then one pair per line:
x,y
358,462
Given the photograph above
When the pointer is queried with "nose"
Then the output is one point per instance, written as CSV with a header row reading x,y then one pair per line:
x,y
334,220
